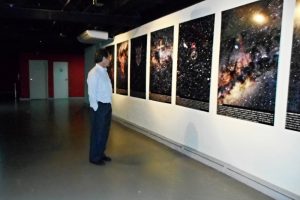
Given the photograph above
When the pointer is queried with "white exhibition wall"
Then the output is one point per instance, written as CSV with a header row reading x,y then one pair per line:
x,y
268,154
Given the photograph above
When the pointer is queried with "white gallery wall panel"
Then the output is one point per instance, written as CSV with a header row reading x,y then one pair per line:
x,y
268,152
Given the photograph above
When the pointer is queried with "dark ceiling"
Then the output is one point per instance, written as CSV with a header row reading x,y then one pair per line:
x,y
53,25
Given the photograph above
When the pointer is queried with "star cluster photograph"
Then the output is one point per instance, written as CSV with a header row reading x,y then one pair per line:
x,y
110,68
194,61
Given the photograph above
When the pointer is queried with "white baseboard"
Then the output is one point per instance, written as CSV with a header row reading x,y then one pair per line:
x,y
248,179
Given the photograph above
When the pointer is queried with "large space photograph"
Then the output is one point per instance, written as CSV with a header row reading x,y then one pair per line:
x,y
194,63
161,61
293,107
249,52
122,68
110,68
138,67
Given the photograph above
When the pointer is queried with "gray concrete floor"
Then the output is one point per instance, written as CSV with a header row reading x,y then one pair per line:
x,y
44,155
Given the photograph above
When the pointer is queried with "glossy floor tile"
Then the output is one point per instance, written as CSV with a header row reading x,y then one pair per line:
x,y
44,148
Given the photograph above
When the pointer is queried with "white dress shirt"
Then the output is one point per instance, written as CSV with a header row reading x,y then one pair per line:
x,y
99,86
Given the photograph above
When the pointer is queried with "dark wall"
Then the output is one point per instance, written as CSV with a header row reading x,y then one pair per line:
x,y
9,66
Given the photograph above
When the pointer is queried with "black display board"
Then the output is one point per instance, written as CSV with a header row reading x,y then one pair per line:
x,y
138,67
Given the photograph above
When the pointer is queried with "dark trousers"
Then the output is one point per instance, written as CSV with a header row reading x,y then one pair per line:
x,y
100,126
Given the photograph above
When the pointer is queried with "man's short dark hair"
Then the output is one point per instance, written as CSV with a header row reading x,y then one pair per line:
x,y
99,54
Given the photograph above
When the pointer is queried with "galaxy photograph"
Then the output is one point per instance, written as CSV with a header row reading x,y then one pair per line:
x,y
122,68
195,44
249,52
161,60
293,107
138,67
110,68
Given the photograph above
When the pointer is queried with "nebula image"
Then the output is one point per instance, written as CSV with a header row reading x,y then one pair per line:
x,y
110,68
249,53
122,68
161,60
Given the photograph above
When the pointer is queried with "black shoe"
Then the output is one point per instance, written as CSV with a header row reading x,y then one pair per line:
x,y
106,158
101,162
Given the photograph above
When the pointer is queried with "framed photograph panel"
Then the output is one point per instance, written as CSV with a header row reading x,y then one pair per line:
x,y
249,52
195,44
138,67
161,61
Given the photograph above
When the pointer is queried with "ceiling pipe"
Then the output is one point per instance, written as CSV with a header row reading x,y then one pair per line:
x,y
76,17
68,1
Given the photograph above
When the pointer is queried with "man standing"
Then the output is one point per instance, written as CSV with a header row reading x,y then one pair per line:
x,y
100,95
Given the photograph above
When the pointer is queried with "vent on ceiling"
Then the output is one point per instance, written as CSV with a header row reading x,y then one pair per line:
x,y
92,36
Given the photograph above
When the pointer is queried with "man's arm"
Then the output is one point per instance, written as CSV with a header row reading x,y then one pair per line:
x,y
92,83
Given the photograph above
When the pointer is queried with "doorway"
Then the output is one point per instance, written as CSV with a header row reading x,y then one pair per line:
x,y
38,79
61,80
